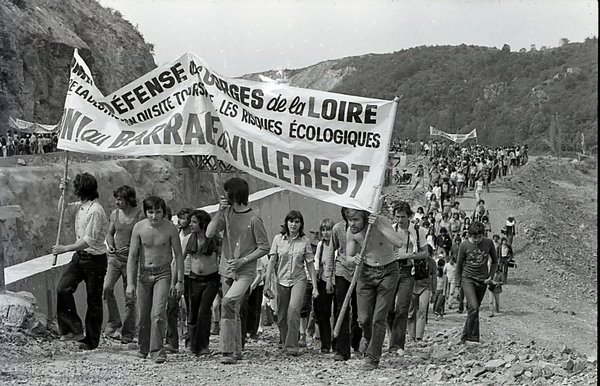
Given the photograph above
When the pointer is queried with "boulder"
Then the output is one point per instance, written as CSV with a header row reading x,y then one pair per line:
x,y
15,309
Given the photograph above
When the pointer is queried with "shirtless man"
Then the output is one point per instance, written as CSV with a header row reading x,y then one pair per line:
x,y
121,225
153,242
378,280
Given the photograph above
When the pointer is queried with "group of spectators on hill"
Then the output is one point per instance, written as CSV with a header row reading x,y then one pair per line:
x,y
27,143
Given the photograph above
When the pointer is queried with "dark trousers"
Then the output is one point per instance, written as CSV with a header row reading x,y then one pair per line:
x,y
474,293
91,269
253,315
398,316
172,334
461,300
375,291
323,306
439,302
203,290
350,332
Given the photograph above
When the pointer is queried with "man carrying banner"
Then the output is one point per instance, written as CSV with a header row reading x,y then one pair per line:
x,y
378,277
88,264
245,241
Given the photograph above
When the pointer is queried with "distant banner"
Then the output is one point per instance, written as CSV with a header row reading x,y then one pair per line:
x,y
458,138
332,147
31,127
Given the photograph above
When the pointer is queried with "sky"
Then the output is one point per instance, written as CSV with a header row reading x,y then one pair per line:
x,y
236,37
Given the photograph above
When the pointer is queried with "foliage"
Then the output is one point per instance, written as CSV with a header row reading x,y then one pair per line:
x,y
509,97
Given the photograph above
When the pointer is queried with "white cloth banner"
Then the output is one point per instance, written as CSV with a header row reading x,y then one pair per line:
x,y
332,147
458,138
31,127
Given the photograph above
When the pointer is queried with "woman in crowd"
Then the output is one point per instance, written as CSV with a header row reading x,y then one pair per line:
x,y
324,303
201,253
290,253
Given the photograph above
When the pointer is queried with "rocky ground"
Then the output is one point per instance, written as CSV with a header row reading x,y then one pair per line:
x,y
545,334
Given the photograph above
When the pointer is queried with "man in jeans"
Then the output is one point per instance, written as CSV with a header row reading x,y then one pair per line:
x,y
244,241
414,249
88,264
120,227
472,276
341,270
378,277
153,241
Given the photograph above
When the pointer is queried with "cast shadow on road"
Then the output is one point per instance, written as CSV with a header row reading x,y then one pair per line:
x,y
516,281
509,312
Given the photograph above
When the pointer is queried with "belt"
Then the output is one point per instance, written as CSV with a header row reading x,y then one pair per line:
x,y
380,267
155,270
205,278
83,255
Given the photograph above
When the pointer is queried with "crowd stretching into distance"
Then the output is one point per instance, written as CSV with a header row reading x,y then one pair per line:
x,y
222,275
27,143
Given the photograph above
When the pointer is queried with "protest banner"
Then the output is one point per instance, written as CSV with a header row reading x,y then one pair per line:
x,y
329,146
457,138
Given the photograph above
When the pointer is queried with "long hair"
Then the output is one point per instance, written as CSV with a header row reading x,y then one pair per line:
x,y
363,213
155,202
293,215
85,187
237,190
211,245
327,224
127,193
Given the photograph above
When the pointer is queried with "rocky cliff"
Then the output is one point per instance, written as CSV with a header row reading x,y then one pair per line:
x,y
37,38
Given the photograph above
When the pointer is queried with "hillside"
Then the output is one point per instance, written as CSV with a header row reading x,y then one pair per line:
x,y
509,97
37,38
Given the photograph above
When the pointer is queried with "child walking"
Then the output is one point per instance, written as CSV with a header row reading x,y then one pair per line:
x,y
495,289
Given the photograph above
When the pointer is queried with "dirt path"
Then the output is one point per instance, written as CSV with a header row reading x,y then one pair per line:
x,y
531,310
540,304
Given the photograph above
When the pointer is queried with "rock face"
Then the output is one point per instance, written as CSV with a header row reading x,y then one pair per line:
x,y
37,38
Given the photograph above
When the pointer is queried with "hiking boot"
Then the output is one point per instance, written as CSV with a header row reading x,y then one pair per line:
x,y
142,355
170,349
228,359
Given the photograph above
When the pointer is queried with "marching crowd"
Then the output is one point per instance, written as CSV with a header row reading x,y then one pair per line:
x,y
234,280
27,143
